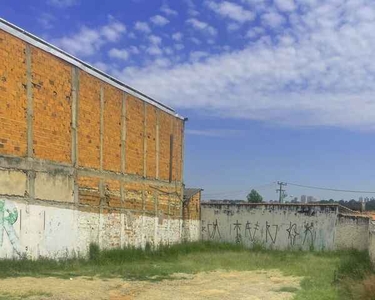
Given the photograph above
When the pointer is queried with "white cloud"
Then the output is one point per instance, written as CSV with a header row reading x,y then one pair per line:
x,y
113,30
154,39
195,41
285,5
159,20
62,3
273,19
87,40
179,46
46,20
168,11
142,26
118,53
318,70
133,50
255,32
198,55
233,26
231,10
177,36
202,26
214,132
154,50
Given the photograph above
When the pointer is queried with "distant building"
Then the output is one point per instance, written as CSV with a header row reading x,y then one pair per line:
x,y
303,199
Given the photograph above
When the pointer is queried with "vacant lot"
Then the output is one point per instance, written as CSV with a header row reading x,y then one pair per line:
x,y
192,271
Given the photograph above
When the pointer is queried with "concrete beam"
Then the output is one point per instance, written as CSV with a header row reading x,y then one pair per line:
x,y
38,165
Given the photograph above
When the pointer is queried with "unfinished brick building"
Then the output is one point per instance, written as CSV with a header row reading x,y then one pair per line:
x,y
83,157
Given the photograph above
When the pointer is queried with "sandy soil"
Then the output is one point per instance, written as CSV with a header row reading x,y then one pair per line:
x,y
254,285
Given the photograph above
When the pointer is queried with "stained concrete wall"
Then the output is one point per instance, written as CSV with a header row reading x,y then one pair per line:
x,y
55,232
372,242
352,232
273,226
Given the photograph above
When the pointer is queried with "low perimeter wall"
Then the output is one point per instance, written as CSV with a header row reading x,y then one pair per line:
x,y
284,226
49,231
372,242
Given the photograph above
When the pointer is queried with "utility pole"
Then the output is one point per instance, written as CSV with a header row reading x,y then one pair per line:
x,y
281,191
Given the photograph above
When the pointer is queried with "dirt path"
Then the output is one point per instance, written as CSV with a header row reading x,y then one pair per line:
x,y
254,285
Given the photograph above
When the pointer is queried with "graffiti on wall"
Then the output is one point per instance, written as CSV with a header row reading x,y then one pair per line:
x,y
268,232
8,217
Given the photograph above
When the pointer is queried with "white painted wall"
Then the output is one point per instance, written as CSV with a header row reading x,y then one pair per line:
x,y
273,226
42,231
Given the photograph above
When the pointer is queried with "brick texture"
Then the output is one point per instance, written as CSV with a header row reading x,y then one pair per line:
x,y
89,122
112,193
51,80
134,136
165,125
52,135
88,191
13,101
192,210
151,142
112,129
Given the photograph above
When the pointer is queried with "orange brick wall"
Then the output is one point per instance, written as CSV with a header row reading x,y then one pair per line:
x,y
52,129
52,102
13,103
88,190
165,125
192,210
112,129
89,121
151,141
134,136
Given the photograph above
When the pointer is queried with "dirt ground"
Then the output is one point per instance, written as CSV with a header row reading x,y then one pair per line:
x,y
254,285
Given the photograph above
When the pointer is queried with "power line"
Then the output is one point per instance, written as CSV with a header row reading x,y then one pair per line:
x,y
281,191
330,189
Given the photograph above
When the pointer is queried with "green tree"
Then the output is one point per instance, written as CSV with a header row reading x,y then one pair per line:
x,y
254,197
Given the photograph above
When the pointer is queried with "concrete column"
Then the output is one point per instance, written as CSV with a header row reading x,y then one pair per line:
x,y
144,140
30,103
157,143
74,127
30,122
123,145
123,133
101,183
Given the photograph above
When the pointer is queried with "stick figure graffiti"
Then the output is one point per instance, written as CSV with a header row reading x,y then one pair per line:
x,y
248,229
9,216
215,230
269,234
237,228
292,233
310,235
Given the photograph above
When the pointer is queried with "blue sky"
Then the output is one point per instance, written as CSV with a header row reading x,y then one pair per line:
x,y
274,89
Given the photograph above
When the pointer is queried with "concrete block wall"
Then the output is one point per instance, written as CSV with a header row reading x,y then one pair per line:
x,y
288,226
372,242
275,226
352,232
80,159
